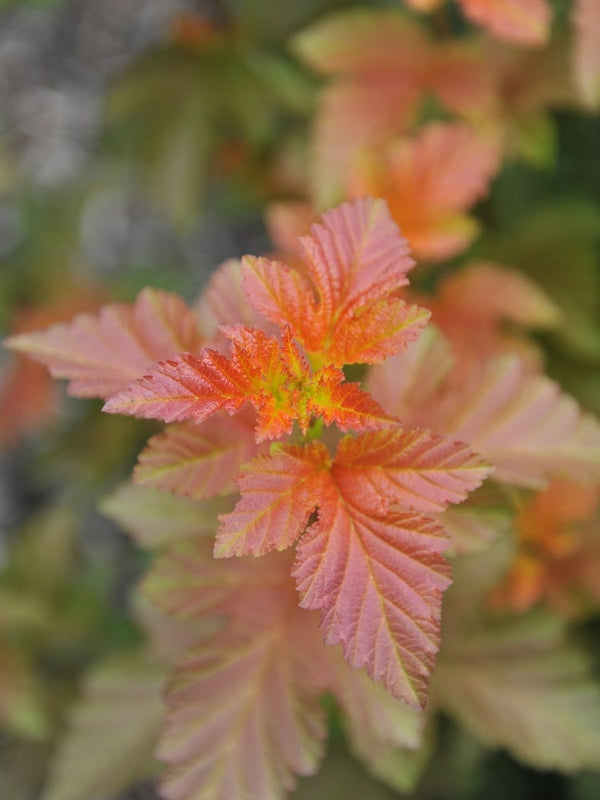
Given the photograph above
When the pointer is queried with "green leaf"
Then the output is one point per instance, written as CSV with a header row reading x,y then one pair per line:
x,y
155,518
522,685
112,731
556,246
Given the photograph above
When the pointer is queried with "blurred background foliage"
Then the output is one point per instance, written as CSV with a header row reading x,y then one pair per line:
x,y
140,142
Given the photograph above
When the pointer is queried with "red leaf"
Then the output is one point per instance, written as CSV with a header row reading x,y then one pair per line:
x,y
101,353
273,376
377,574
344,312
345,403
186,386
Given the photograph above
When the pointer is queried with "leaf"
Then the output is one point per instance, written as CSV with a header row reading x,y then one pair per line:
x,y
377,574
244,716
408,381
279,493
522,21
156,518
273,376
188,583
558,553
586,19
382,63
361,40
384,733
522,685
485,308
522,423
197,461
428,181
189,387
243,720
416,469
345,313
223,301
378,583
473,305
112,731
101,353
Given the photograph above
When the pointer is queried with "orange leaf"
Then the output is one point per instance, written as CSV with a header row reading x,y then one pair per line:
x,y
428,182
273,376
344,312
279,493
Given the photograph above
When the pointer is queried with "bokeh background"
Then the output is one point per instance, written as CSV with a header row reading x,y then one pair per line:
x,y
140,142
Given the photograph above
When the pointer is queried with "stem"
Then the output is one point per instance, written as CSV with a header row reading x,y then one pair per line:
x,y
314,432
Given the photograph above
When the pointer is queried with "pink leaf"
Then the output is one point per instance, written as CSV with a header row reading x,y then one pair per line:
x,y
408,382
587,53
224,303
101,353
188,583
473,305
197,461
416,469
522,21
243,719
378,583
244,714
522,423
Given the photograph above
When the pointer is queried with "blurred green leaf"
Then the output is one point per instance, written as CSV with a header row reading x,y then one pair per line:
x,y
533,138
112,730
556,244
521,684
